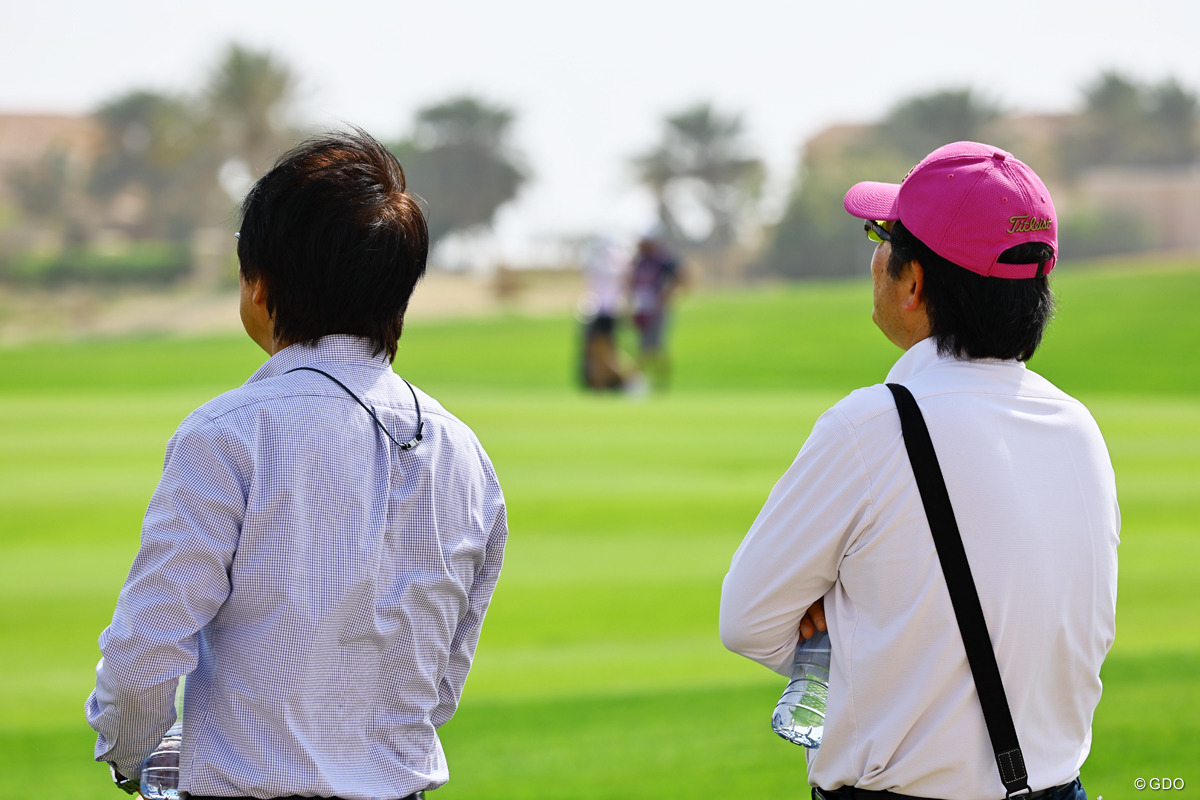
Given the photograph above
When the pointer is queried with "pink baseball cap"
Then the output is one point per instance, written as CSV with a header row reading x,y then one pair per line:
x,y
969,202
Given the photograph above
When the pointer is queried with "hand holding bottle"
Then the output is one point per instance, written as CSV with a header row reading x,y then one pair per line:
x,y
160,770
813,621
799,715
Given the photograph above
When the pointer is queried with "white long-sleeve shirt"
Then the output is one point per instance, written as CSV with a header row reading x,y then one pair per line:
x,y
1034,495
322,589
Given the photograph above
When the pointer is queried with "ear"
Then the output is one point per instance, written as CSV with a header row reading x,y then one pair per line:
x,y
258,296
258,293
256,317
913,286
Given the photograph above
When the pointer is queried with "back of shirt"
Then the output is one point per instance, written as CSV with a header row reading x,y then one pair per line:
x,y
1034,495
323,587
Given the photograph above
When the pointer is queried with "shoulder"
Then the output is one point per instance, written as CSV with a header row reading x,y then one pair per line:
x,y
218,409
451,431
437,414
217,431
1033,384
862,407
852,429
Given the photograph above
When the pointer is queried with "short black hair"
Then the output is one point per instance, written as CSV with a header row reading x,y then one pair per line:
x,y
337,240
973,315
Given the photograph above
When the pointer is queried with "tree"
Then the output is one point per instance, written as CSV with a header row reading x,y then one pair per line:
x,y
816,238
249,96
919,125
41,187
1105,131
51,194
1172,116
155,170
157,174
700,165
459,160
1126,123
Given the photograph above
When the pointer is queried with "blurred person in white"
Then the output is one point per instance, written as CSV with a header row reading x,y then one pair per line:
x,y
963,248
320,552
604,267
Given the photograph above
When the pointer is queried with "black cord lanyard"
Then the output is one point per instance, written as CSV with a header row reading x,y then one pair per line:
x,y
411,443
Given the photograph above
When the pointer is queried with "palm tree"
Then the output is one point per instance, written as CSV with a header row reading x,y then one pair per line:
x,y
701,160
1130,124
1173,116
249,97
919,125
460,162
155,147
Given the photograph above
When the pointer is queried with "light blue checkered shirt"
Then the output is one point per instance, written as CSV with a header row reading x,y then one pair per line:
x,y
321,589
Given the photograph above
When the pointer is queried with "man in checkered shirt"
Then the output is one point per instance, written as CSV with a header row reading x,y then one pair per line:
x,y
320,552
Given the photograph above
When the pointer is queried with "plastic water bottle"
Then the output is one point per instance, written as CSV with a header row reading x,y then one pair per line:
x,y
800,714
160,770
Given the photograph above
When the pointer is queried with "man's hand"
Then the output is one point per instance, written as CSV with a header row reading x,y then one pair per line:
x,y
813,620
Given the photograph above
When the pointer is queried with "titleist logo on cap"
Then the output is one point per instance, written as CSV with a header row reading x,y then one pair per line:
x,y
1025,224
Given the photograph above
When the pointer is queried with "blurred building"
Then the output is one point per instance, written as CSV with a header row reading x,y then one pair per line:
x,y
1165,201
27,139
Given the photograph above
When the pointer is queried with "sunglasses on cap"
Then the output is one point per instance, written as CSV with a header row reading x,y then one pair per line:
x,y
878,231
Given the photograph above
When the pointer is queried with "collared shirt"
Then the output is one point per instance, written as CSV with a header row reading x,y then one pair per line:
x,y
1034,495
321,589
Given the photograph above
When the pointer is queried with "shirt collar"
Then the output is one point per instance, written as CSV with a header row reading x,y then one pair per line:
x,y
924,356
337,347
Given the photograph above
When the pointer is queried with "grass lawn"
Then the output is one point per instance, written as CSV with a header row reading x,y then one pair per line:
x,y
600,674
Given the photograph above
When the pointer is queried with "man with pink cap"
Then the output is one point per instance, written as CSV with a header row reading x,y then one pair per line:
x,y
963,247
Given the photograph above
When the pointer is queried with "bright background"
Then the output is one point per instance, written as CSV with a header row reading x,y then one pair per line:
x,y
591,82
600,673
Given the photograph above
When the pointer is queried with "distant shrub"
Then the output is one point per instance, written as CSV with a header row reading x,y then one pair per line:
x,y
1091,234
141,263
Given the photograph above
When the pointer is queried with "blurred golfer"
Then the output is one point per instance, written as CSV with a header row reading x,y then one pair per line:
x,y
654,277
962,250
319,554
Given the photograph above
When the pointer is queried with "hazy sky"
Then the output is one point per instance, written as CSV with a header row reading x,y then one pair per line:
x,y
591,82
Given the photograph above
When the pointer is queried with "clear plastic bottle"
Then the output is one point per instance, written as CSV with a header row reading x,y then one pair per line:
x,y
160,770
800,713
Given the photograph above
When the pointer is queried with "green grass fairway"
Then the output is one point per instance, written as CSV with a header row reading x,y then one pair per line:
x,y
600,673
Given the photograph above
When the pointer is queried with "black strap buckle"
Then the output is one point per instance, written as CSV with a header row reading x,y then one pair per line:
x,y
127,785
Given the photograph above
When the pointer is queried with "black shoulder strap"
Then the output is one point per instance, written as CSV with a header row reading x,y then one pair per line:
x,y
963,595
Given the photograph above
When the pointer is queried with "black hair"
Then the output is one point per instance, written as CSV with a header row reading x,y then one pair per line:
x,y
337,240
973,315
